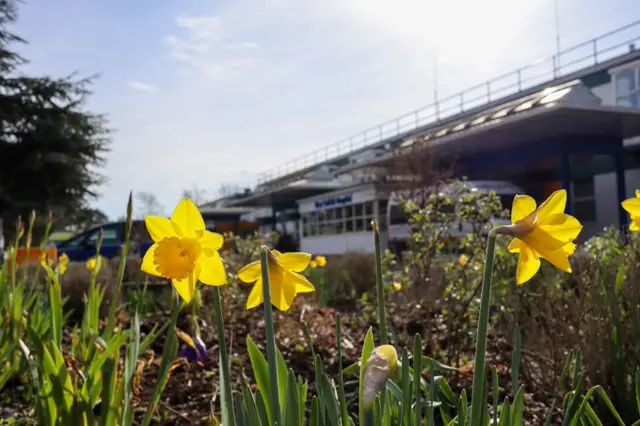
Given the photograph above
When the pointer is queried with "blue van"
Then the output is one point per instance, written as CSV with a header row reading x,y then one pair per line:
x,y
82,247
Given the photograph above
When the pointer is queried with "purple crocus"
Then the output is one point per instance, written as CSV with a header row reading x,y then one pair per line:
x,y
194,349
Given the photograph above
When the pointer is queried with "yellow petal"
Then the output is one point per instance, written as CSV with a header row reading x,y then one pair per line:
x,y
282,290
523,206
555,204
637,193
255,297
515,245
300,283
635,224
250,272
147,262
569,249
159,227
186,288
539,239
212,270
528,265
64,259
296,262
562,227
558,258
211,240
632,205
188,218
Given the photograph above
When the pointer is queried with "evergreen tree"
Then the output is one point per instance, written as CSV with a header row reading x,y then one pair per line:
x,y
50,145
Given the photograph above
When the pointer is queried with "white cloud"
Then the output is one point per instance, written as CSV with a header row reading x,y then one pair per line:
x,y
254,84
142,87
209,48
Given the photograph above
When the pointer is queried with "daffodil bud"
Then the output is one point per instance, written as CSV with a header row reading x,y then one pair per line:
x,y
379,368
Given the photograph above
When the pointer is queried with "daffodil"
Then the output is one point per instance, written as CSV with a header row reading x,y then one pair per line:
x,y
62,262
396,286
284,278
379,368
313,264
321,261
543,232
632,206
183,250
463,259
94,264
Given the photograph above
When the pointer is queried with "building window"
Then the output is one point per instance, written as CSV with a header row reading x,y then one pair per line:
x,y
584,200
627,86
338,220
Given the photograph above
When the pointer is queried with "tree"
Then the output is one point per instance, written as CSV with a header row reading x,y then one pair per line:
x,y
148,204
51,147
196,194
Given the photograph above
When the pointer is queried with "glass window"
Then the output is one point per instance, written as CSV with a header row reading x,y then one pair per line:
x,y
109,236
584,202
585,210
627,84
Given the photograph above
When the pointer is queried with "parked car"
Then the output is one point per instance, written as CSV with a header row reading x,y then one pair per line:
x,y
82,246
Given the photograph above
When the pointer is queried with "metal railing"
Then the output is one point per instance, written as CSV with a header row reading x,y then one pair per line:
x,y
605,47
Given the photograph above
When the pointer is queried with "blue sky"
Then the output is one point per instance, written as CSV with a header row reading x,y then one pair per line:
x,y
211,92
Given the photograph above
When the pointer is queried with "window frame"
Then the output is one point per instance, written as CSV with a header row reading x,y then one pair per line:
x,y
632,94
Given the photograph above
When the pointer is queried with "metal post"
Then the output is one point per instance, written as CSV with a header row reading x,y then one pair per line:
x,y
565,173
620,187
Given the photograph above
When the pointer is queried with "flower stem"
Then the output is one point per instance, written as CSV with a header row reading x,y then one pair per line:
x,y
272,361
382,313
228,412
478,404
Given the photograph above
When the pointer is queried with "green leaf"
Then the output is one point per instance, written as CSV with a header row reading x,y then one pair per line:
x,y
260,372
253,416
517,409
417,376
333,411
291,416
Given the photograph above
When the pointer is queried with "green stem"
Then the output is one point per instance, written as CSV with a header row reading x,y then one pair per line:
x,y
271,338
382,313
227,405
477,398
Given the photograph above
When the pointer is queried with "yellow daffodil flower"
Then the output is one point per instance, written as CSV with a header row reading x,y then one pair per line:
x,y
321,261
94,264
313,264
380,367
541,232
463,259
284,278
632,206
183,250
396,286
63,263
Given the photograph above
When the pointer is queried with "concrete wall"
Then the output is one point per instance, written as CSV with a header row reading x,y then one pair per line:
x,y
342,243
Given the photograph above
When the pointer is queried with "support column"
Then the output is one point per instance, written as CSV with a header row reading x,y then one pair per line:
x,y
621,188
565,176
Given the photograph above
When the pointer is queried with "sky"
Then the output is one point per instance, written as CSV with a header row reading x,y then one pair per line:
x,y
206,93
